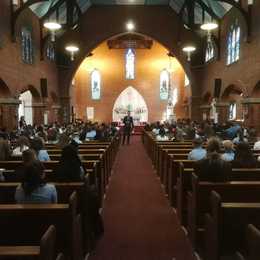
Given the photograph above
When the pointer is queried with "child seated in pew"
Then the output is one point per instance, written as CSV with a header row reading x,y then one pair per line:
x,y
70,166
229,154
197,153
37,145
213,168
33,188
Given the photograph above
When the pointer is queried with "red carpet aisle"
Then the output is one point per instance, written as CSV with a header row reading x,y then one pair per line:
x,y
139,224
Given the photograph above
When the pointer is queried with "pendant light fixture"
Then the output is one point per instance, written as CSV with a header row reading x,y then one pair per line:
x,y
72,49
52,27
209,27
189,49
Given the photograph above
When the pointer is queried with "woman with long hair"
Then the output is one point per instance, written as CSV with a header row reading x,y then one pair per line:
x,y
33,188
70,167
244,157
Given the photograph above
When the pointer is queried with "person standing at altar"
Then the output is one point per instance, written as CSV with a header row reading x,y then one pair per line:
x,y
128,127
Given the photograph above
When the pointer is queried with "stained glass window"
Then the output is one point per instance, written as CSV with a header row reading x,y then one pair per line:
x,y
95,84
210,52
164,84
233,44
130,64
27,46
50,51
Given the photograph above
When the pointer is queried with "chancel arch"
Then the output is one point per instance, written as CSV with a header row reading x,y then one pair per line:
x,y
151,64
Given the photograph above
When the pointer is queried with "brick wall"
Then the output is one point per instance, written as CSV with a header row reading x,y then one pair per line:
x,y
17,76
243,74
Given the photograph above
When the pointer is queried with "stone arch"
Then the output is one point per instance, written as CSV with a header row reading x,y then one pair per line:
x,y
233,94
230,92
256,91
171,34
82,56
35,93
130,100
4,90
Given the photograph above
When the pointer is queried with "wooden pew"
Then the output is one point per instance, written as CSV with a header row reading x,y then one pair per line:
x,y
199,204
44,251
23,224
184,184
252,244
85,203
173,173
225,226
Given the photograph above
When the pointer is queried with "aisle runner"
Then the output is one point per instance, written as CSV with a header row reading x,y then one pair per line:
x,y
139,224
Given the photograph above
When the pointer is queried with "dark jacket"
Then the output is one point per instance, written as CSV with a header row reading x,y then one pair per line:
x,y
213,170
128,123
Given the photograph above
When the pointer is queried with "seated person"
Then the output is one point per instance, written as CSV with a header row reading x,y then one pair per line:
x,y
229,154
240,138
22,145
91,134
244,157
213,168
257,144
70,167
37,145
197,153
33,188
28,158
162,135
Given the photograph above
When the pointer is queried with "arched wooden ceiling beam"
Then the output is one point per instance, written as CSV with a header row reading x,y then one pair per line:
x,y
15,14
245,14
208,10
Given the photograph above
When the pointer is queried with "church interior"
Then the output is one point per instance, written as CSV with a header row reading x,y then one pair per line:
x,y
129,129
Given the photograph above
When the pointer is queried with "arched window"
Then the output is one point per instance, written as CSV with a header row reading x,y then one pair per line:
x,y
210,52
233,44
27,46
232,111
50,51
25,107
164,84
95,84
130,64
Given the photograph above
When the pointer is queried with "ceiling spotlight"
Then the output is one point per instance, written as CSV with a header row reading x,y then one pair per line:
x,y
130,26
52,27
72,49
209,27
189,50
